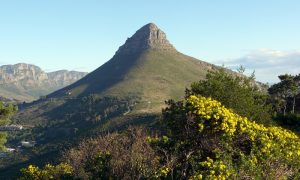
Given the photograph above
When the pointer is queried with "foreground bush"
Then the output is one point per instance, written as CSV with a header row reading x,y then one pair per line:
x,y
207,140
124,155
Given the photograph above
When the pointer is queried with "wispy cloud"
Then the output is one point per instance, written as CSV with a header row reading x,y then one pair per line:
x,y
268,63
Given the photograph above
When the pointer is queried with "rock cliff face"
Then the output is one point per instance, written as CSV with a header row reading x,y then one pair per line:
x,y
27,82
18,73
148,37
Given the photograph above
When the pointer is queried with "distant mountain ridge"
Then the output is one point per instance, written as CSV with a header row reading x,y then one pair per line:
x,y
26,82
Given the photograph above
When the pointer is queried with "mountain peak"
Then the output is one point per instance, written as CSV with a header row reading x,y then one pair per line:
x,y
151,26
147,37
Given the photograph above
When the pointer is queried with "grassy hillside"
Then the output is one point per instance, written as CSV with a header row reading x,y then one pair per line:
x,y
152,75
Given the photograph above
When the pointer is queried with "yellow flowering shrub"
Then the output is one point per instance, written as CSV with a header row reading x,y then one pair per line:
x,y
162,172
212,116
266,143
212,170
60,171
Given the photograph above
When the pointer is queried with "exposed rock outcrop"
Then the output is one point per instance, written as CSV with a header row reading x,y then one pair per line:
x,y
149,36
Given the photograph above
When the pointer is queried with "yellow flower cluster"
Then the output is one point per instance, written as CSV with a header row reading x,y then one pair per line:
x,y
48,172
33,170
219,118
213,170
162,172
271,141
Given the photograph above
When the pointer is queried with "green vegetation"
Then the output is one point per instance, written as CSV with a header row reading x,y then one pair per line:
x,y
206,140
118,155
198,138
152,75
61,171
284,98
6,111
239,93
211,143
285,92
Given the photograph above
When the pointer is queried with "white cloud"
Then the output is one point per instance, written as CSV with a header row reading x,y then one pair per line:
x,y
267,63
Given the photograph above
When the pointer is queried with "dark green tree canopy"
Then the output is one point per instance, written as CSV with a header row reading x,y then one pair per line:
x,y
237,92
6,111
282,92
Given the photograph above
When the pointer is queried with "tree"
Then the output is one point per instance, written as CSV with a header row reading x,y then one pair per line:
x,y
288,87
6,111
235,91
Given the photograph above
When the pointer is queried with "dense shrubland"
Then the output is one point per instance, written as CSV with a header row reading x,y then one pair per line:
x,y
222,129
125,155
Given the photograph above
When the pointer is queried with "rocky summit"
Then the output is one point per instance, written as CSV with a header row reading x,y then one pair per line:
x,y
149,36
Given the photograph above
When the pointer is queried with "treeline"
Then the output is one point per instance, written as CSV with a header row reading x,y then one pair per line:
x,y
284,95
226,127
285,98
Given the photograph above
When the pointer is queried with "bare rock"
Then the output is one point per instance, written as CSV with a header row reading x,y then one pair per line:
x,y
147,37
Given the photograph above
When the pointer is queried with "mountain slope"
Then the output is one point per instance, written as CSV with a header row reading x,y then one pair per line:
x,y
145,72
25,82
147,65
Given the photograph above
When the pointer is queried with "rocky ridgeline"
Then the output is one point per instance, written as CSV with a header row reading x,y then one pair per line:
x,y
149,36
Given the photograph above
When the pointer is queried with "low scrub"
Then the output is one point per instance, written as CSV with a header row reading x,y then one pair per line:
x,y
202,139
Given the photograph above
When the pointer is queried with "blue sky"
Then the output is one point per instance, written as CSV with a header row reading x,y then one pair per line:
x,y
262,35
